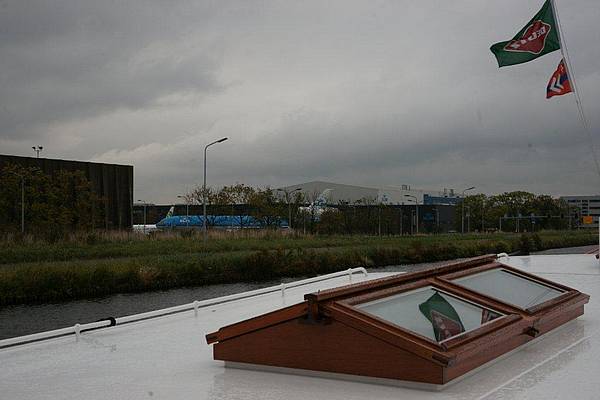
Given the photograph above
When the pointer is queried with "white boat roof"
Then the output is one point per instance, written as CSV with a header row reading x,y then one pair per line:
x,y
168,358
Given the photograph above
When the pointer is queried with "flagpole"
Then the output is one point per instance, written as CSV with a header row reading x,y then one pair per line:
x,y
571,74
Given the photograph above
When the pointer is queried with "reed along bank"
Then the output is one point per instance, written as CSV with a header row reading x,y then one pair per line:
x,y
101,264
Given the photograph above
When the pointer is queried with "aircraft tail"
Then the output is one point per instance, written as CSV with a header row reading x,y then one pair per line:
x,y
171,212
323,198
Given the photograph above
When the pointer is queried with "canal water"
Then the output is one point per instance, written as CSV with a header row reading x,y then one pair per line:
x,y
26,319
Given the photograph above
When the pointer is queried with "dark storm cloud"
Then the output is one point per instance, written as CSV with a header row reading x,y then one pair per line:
x,y
370,93
72,59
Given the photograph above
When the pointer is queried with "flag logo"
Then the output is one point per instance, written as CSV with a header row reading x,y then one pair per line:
x,y
533,39
538,37
559,82
445,326
444,319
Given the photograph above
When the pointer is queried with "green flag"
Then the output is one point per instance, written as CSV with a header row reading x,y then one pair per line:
x,y
538,37
443,317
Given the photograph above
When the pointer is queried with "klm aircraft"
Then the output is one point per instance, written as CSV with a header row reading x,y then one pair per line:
x,y
180,222
146,229
319,206
213,221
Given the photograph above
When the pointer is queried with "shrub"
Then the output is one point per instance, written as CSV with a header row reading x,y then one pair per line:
x,y
169,262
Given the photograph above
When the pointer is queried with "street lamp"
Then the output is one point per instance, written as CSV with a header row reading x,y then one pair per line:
x,y
287,199
187,209
462,210
417,209
144,204
204,186
468,219
482,215
37,150
401,218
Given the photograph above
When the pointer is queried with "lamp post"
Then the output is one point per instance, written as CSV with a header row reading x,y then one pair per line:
x,y
37,150
22,204
303,222
287,199
383,200
462,210
482,215
204,187
468,219
187,209
144,204
379,220
401,218
416,207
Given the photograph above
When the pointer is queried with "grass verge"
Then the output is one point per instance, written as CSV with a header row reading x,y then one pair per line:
x,y
72,270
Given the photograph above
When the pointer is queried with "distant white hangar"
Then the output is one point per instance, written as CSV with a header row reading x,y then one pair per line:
x,y
392,195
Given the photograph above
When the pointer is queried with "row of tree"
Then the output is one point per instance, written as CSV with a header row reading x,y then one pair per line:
x,y
265,204
65,201
512,211
515,211
47,203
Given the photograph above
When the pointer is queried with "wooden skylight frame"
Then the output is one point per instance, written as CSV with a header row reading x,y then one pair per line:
x,y
506,317
536,309
329,333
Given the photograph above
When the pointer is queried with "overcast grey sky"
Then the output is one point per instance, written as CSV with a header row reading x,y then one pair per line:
x,y
357,92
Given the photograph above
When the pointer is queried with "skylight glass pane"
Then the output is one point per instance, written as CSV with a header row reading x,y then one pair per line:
x,y
509,287
430,313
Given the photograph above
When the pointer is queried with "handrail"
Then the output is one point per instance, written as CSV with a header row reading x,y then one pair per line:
x,y
34,337
78,328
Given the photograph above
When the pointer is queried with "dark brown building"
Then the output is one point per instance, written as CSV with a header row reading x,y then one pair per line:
x,y
112,182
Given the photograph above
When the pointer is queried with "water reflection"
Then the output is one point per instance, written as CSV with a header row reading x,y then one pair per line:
x,y
25,319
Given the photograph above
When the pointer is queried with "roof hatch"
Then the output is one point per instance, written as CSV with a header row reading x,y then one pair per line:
x,y
429,327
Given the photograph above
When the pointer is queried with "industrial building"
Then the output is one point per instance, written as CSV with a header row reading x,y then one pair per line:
x,y
112,182
584,210
390,195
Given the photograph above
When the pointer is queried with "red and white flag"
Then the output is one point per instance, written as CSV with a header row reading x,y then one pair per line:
x,y
559,82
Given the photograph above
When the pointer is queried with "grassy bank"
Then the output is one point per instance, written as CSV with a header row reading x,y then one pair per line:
x,y
99,265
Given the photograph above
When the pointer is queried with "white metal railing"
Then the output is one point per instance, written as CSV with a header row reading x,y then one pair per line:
x,y
78,328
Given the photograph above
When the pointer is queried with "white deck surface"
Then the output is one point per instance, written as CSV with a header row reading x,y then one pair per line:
x,y
167,357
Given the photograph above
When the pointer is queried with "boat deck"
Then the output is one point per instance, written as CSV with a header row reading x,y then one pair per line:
x,y
167,357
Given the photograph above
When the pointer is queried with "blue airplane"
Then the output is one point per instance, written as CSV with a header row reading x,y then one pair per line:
x,y
213,221
171,222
